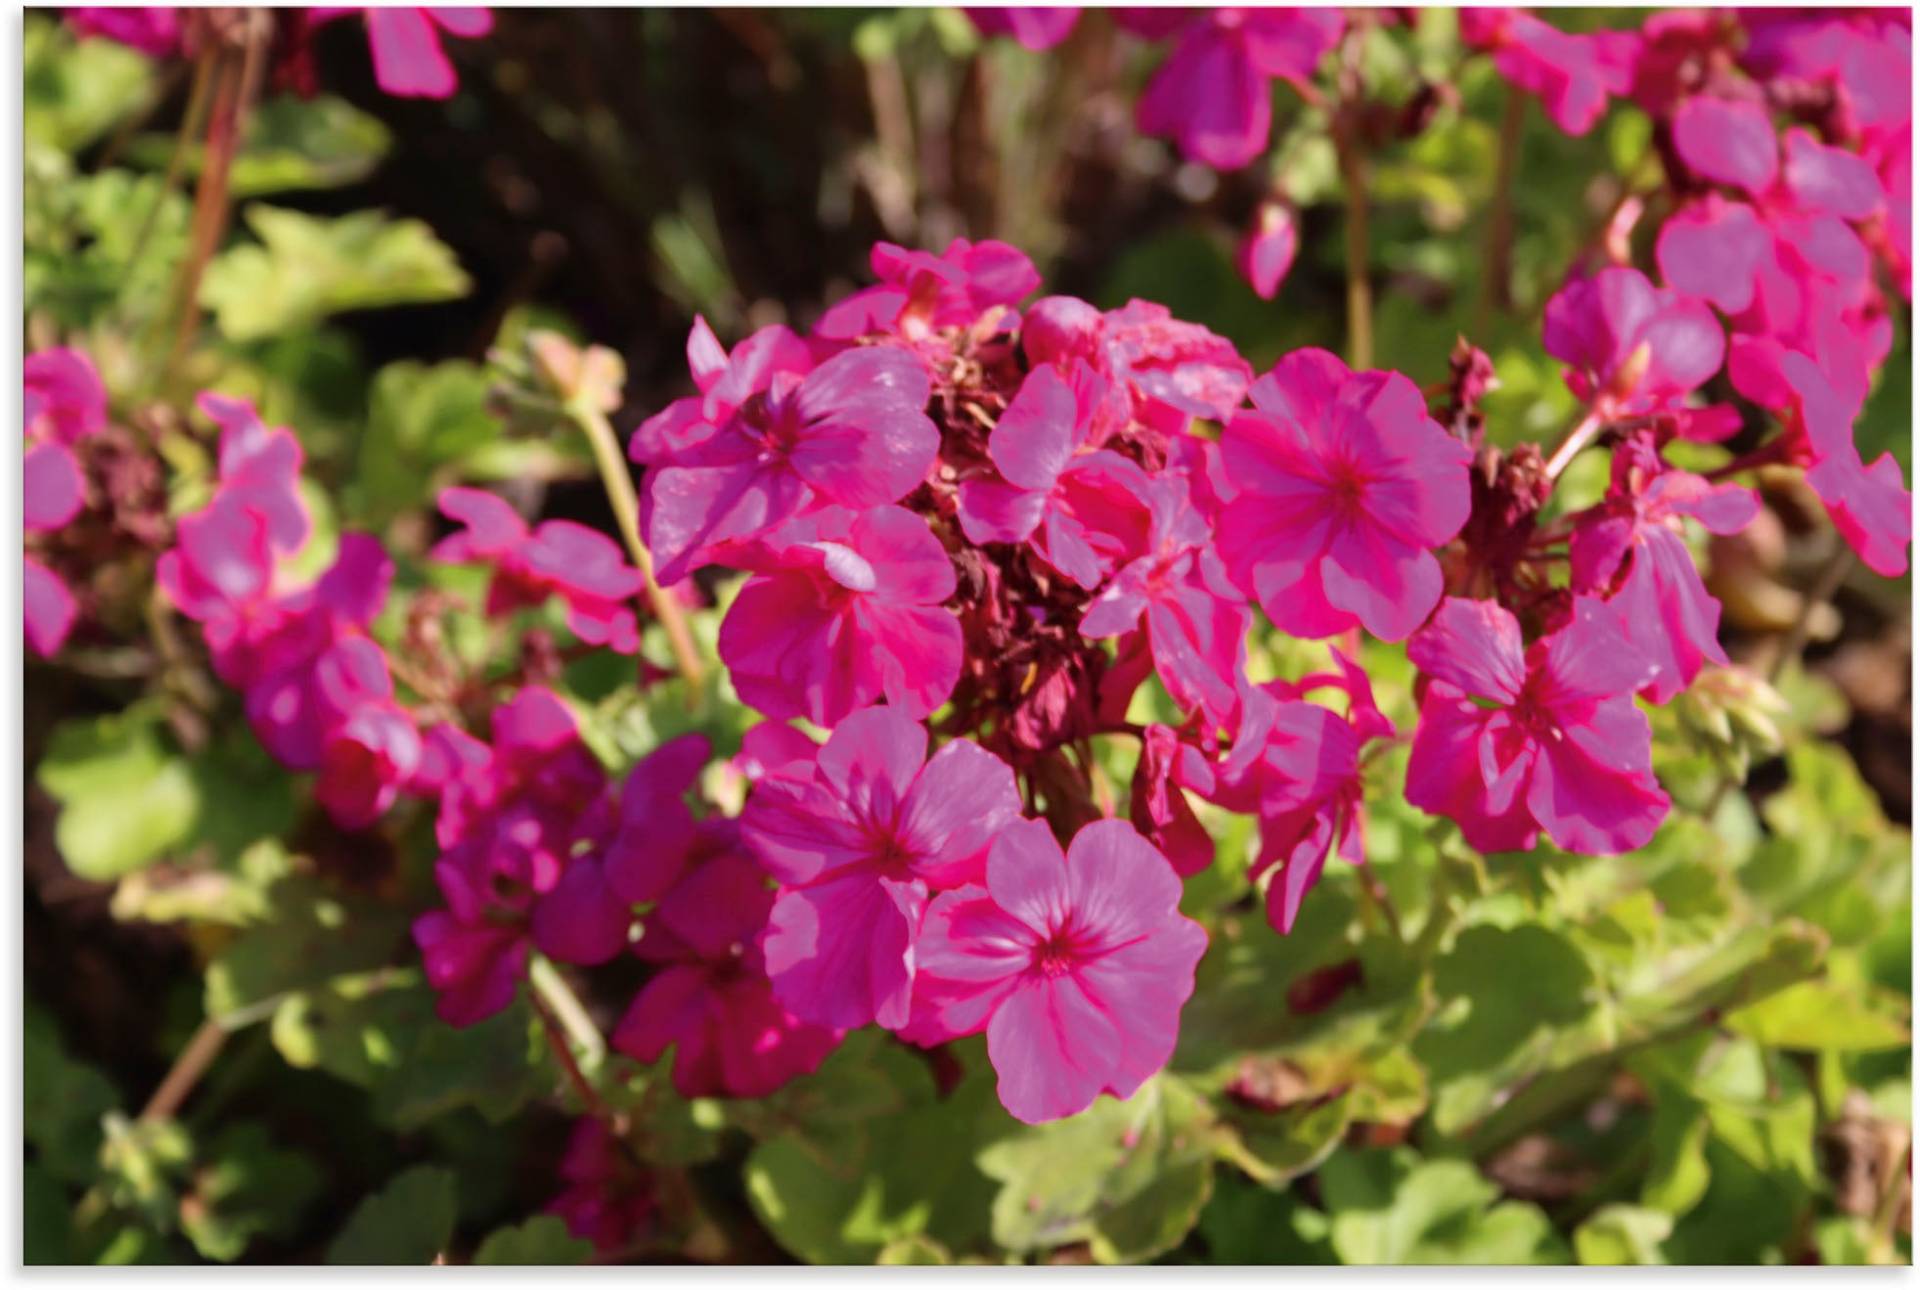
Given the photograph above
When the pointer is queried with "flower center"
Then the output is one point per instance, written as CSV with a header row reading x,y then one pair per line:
x,y
1059,953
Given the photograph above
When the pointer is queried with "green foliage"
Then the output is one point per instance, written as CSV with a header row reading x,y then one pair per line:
x,y
409,1222
538,1242
1685,1036
291,143
305,268
1391,1207
126,797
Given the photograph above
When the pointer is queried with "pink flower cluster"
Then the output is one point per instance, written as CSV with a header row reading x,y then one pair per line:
x,y
408,58
63,403
318,690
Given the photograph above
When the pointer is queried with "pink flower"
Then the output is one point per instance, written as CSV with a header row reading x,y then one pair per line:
x,y
1631,347
656,831
1196,620
1158,802
845,609
1821,399
1212,94
608,1199
852,432
583,567
47,606
1727,141
856,847
725,381
1079,506
1266,254
408,61
367,759
1171,369
1666,610
1515,740
52,488
1572,75
1298,765
64,399
153,30
920,291
1345,485
711,1001
1076,965
1037,28
515,819
1717,249
260,468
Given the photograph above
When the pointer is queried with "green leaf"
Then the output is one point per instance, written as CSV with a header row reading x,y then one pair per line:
x,y
62,1101
305,268
1622,1235
1128,1177
1391,1207
541,1241
73,91
46,1223
845,1192
312,935
1677,1174
245,1187
1247,1224
408,1223
420,421
1513,1001
126,798
291,143
1820,1016
378,1030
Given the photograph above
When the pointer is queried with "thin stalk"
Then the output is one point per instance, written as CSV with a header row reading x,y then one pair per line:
x,y
618,482
187,1069
1496,287
1583,433
1353,179
566,1023
1832,574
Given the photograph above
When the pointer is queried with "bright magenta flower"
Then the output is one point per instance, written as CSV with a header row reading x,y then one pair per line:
x,y
1266,253
852,432
1515,740
725,381
64,401
1631,347
920,291
408,61
1666,609
582,566
1076,965
1345,485
1196,621
711,1001
1572,75
1037,28
260,467
1171,370
856,846
1080,506
845,609
1213,92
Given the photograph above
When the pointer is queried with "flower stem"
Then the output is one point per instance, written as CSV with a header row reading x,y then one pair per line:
x,y
1353,179
618,482
566,1023
1496,287
1583,433
186,1071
